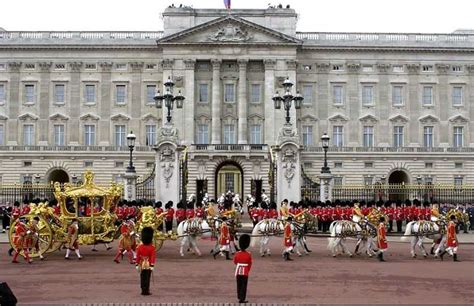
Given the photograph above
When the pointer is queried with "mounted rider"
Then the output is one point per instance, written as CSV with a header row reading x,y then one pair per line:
x,y
224,240
452,240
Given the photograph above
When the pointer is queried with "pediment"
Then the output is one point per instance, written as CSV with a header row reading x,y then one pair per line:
x,y
229,30
428,119
89,117
338,117
308,118
149,117
258,116
120,117
459,118
28,116
58,116
368,118
398,118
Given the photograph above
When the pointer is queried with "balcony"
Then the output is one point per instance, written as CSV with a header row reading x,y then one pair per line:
x,y
390,149
73,148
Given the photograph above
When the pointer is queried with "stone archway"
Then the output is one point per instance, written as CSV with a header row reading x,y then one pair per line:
x,y
397,181
58,175
229,176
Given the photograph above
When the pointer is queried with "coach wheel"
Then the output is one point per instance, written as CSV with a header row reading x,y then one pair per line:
x,y
45,236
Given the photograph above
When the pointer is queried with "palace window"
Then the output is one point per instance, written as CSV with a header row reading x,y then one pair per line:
x,y
89,135
203,93
229,93
398,136
255,134
458,136
458,180
150,94
307,94
59,93
150,135
59,135
428,136
28,135
338,94
338,135
427,95
89,93
2,135
457,95
120,135
368,180
307,135
30,93
368,136
120,93
338,181
256,93
3,94
203,134
397,95
229,134
367,95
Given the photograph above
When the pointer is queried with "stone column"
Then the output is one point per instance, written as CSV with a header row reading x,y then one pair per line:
x,y
130,185
243,135
216,102
269,137
188,107
134,104
14,108
106,103
326,184
43,102
75,108
167,174
288,172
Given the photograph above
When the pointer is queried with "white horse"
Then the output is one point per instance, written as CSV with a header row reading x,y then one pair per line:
x,y
205,199
265,229
189,230
339,230
418,230
191,198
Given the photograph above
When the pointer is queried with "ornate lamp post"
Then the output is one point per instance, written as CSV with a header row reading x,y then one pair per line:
x,y
168,98
325,143
131,144
287,98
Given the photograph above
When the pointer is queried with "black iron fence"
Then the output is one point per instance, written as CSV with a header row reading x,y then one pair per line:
x,y
310,190
27,192
145,189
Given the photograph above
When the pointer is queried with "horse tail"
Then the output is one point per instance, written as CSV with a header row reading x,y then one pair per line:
x,y
253,241
332,228
408,230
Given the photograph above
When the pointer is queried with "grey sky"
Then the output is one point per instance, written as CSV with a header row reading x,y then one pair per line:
x,y
424,16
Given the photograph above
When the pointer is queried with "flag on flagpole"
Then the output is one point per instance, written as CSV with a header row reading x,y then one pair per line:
x,y
227,4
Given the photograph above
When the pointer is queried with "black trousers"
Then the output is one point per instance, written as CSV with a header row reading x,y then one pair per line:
x,y
242,287
145,276
169,225
390,225
399,226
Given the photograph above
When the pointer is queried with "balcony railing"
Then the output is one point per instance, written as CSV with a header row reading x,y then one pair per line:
x,y
74,148
391,149
230,147
384,37
73,35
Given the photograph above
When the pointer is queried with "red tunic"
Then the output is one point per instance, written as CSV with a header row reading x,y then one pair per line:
x,y
273,213
452,241
25,210
127,242
225,235
19,238
287,241
159,211
381,237
254,214
199,212
190,213
243,261
16,213
169,214
145,252
180,215
57,210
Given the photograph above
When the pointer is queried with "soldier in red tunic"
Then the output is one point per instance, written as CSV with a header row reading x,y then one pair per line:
x,y
180,213
127,241
381,238
190,210
20,240
72,239
224,240
169,216
199,211
145,262
159,212
288,239
243,262
451,240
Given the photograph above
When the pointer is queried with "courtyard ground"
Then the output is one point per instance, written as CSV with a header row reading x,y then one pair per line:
x,y
314,279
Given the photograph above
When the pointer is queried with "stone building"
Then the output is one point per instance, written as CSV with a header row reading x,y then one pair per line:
x,y
397,106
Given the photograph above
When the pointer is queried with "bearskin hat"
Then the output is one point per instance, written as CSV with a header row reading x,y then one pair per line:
x,y
244,241
147,235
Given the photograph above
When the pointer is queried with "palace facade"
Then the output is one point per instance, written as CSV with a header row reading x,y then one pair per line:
x,y
397,106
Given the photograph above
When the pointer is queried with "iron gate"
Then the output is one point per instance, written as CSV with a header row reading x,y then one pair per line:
x,y
145,188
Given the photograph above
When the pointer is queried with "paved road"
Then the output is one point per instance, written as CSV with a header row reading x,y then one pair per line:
x,y
317,278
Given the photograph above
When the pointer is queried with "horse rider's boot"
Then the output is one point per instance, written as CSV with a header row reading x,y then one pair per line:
x,y
306,248
214,254
432,250
380,256
442,254
227,257
287,256
455,257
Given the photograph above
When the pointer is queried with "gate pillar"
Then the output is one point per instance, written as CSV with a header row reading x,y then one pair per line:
x,y
167,163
